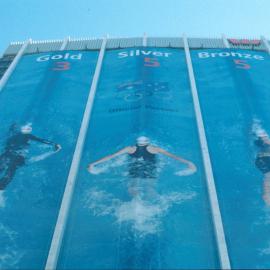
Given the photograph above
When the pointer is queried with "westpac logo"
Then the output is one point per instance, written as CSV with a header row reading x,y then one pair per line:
x,y
248,42
64,56
135,53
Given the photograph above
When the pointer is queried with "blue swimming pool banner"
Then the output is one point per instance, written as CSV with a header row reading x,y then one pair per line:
x,y
141,196
234,87
41,111
141,180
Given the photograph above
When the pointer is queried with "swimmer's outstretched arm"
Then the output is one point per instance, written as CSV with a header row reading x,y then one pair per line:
x,y
266,189
191,166
35,138
126,150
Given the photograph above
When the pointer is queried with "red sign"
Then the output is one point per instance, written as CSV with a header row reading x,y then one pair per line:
x,y
253,42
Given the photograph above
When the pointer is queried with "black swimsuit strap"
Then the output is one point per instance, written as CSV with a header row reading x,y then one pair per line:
x,y
142,152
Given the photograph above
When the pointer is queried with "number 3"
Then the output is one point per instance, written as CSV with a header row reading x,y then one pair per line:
x,y
61,66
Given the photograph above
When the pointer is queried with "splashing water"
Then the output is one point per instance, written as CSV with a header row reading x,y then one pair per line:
x,y
9,256
265,251
145,217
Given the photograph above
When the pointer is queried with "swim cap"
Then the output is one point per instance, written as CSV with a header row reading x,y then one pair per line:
x,y
26,129
142,140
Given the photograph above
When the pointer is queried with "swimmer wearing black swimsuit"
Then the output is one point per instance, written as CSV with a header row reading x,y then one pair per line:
x,y
14,154
142,163
142,166
262,161
143,160
263,157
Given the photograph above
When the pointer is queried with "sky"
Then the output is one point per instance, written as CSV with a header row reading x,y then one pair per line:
x,y
56,19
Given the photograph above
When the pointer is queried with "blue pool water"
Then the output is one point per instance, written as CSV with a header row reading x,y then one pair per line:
x,y
135,207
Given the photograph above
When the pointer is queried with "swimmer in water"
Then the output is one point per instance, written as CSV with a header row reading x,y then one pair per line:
x,y
262,161
15,152
143,160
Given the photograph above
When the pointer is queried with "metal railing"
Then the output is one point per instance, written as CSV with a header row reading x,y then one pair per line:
x,y
116,43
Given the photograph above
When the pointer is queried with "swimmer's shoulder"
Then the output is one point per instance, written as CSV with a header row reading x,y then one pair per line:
x,y
152,149
131,149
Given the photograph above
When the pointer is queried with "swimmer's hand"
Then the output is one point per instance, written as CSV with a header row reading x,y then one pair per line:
x,y
57,147
186,172
189,171
92,169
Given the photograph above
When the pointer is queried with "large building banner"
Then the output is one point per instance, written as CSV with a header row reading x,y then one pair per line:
x,y
41,111
234,87
140,200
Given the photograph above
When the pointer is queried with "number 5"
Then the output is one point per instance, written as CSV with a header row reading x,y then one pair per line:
x,y
151,62
242,64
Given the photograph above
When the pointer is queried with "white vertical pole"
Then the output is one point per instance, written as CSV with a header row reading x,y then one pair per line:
x,y
65,43
225,42
265,43
71,181
216,215
144,40
14,63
